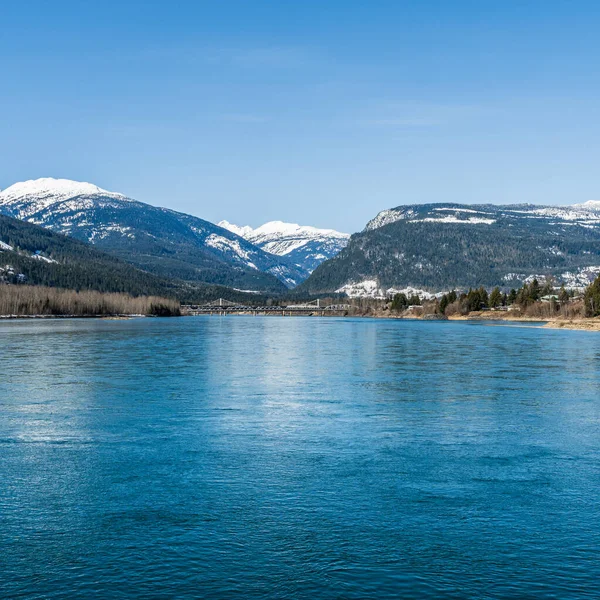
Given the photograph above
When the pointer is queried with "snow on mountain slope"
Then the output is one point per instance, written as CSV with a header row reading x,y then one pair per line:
x,y
446,245
306,246
159,240
587,213
370,289
37,194
593,205
241,231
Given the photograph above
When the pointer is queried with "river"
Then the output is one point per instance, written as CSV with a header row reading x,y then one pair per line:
x,y
248,457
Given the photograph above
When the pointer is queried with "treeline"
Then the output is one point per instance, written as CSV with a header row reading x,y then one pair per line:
x,y
24,300
401,301
532,299
528,294
592,299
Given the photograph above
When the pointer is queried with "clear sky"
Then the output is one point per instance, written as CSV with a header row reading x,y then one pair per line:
x,y
321,112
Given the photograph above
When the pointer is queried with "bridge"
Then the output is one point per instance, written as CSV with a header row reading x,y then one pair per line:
x,y
226,307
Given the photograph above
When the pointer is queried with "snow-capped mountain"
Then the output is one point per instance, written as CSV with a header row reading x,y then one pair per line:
x,y
438,247
303,245
587,213
158,240
590,205
37,194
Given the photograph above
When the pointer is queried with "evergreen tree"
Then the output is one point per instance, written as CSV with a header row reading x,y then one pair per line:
x,y
592,299
495,298
528,294
534,291
444,303
548,287
512,297
476,300
563,295
399,302
483,295
414,300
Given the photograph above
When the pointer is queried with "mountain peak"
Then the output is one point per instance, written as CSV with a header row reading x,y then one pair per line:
x,y
589,205
241,231
306,246
49,187
143,234
281,228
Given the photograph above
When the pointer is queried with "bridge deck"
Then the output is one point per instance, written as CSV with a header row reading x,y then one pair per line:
x,y
307,310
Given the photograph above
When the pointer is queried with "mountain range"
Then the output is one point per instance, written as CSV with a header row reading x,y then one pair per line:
x,y
306,247
161,241
37,256
426,248
436,247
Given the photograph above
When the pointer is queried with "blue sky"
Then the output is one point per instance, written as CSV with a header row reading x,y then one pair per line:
x,y
318,112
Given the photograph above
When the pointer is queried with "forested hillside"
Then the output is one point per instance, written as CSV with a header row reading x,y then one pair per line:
x,y
167,243
441,247
36,256
47,258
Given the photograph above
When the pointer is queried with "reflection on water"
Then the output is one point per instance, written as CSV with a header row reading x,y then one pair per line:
x,y
297,457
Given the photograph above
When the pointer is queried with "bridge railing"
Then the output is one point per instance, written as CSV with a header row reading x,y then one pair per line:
x,y
228,306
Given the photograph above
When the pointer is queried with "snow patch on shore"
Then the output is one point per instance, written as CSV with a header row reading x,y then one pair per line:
x,y
370,288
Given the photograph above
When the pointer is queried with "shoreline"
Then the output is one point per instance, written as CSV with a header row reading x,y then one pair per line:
x,y
105,317
583,324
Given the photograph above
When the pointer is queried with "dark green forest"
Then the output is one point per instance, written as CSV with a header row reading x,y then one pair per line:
x,y
80,266
441,255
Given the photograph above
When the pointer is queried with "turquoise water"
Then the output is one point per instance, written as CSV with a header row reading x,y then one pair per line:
x,y
298,458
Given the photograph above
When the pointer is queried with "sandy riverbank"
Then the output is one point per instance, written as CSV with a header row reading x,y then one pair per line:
x,y
490,315
548,323
507,316
582,324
